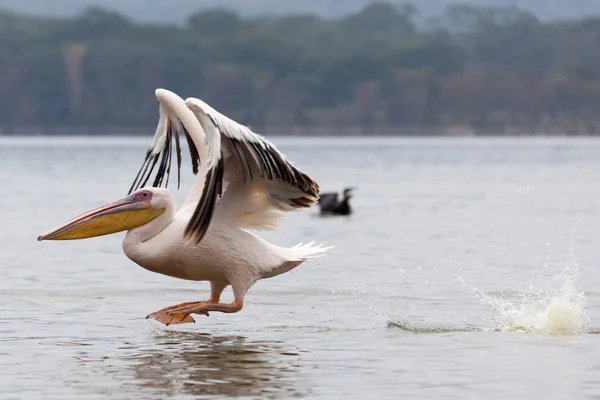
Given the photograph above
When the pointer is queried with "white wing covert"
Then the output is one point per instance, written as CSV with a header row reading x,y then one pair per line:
x,y
255,160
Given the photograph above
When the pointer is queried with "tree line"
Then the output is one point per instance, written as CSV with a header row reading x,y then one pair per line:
x,y
474,68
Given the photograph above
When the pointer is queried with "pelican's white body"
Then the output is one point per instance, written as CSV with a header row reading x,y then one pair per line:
x,y
227,255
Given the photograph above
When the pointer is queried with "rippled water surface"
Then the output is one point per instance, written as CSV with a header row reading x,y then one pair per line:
x,y
469,270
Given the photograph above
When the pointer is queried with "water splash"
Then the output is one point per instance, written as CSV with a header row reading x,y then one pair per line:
x,y
549,304
550,312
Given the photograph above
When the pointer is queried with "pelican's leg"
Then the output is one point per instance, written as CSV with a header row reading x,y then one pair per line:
x,y
168,317
204,307
216,288
239,290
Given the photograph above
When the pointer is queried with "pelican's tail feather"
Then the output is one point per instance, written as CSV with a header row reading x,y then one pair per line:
x,y
303,252
295,256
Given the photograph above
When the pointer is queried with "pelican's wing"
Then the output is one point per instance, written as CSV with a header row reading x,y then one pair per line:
x,y
205,152
328,201
255,171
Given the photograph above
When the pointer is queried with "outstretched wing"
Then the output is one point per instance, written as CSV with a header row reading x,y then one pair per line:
x,y
205,151
260,180
239,170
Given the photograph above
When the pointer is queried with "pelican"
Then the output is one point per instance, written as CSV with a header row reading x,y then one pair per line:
x,y
244,184
329,205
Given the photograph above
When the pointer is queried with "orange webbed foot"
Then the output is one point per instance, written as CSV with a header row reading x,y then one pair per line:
x,y
167,319
198,307
172,316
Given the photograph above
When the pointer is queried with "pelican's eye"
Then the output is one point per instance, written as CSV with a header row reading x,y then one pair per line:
x,y
144,195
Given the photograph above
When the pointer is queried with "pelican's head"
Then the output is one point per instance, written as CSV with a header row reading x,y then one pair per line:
x,y
137,209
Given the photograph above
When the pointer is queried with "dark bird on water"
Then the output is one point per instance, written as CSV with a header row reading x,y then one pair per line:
x,y
329,204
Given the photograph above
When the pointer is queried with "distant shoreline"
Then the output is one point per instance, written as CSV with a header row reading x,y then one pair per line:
x,y
314,131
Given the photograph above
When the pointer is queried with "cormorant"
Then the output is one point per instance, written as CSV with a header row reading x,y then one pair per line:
x,y
328,202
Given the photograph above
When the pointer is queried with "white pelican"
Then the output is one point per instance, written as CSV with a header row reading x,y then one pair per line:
x,y
244,183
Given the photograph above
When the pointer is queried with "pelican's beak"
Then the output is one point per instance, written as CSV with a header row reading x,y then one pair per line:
x,y
124,214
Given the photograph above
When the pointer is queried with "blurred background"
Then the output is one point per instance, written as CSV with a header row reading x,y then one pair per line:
x,y
311,67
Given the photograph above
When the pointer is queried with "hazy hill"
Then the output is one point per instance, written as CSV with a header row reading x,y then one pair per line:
x,y
165,11
502,69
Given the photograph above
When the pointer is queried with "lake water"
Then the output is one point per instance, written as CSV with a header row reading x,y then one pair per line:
x,y
469,270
